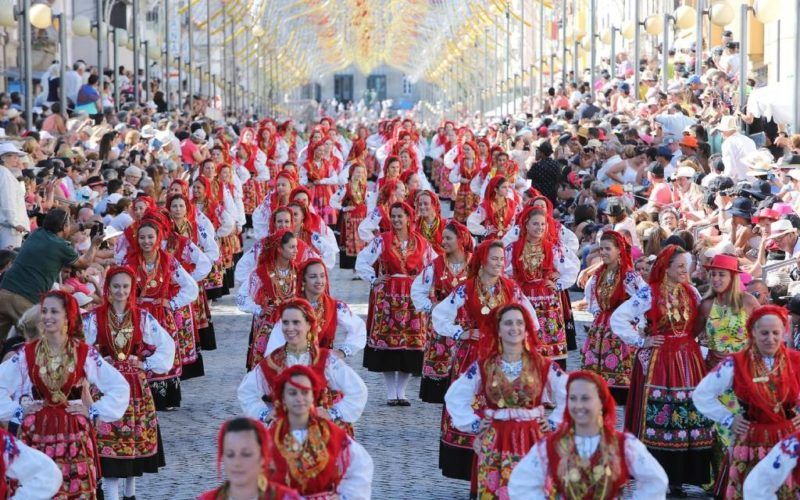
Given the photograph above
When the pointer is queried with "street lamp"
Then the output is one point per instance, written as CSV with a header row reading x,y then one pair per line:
x,y
766,11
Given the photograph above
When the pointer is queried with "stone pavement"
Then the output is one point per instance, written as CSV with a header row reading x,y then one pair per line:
x,y
403,442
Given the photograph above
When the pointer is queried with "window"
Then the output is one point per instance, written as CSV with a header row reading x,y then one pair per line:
x,y
377,83
343,88
408,87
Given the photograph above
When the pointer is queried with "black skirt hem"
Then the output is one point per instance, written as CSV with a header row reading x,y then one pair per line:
x,y
432,390
455,463
384,360
134,467
346,261
194,370
208,338
682,466
166,393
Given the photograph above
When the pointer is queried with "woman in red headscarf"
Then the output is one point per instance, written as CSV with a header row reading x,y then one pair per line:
x,y
345,394
270,284
612,284
542,268
278,197
332,315
667,368
273,146
392,170
325,462
192,224
163,287
58,369
393,191
140,206
397,330
499,397
446,272
134,343
309,227
586,457
765,377
351,201
282,219
464,316
462,169
221,220
244,444
495,215
318,173
429,218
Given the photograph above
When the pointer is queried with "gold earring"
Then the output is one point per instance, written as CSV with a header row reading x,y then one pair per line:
x,y
262,482
65,329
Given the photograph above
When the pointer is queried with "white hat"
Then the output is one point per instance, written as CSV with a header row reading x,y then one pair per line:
x,y
794,174
685,172
148,131
7,148
199,134
85,194
114,198
45,135
727,124
780,227
12,113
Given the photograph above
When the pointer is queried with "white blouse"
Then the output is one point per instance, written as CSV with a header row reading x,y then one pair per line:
x,y
369,255
188,289
444,314
567,265
766,478
39,478
528,480
205,237
339,376
191,253
261,217
356,484
717,382
370,226
461,396
632,283
114,388
355,332
422,286
332,180
152,334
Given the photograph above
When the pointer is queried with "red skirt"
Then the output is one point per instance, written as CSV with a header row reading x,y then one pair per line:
x,y
69,440
167,319
750,449
252,194
500,448
352,244
395,324
135,435
552,333
260,330
466,203
607,355
322,203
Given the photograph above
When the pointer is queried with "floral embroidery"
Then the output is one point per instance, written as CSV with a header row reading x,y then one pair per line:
x,y
95,356
791,447
472,370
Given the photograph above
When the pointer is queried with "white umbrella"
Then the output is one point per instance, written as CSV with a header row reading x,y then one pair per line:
x,y
774,102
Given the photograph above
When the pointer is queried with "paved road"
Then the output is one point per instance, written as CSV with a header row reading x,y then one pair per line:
x,y
403,442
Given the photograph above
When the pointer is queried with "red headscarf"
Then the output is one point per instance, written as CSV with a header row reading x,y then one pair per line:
x,y
210,203
463,236
72,311
518,247
461,160
191,213
613,442
183,184
480,255
267,257
327,327
625,266
488,202
101,312
780,386
387,190
274,214
553,226
490,344
261,433
312,223
387,161
135,257
304,190
658,274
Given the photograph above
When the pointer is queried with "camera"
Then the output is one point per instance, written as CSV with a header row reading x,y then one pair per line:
x,y
97,228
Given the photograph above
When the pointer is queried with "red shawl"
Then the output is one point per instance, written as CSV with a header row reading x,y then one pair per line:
x,y
521,274
104,340
488,205
412,263
625,266
267,257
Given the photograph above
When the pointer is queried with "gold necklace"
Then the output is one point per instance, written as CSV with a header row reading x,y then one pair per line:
x,y
488,299
121,332
54,368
